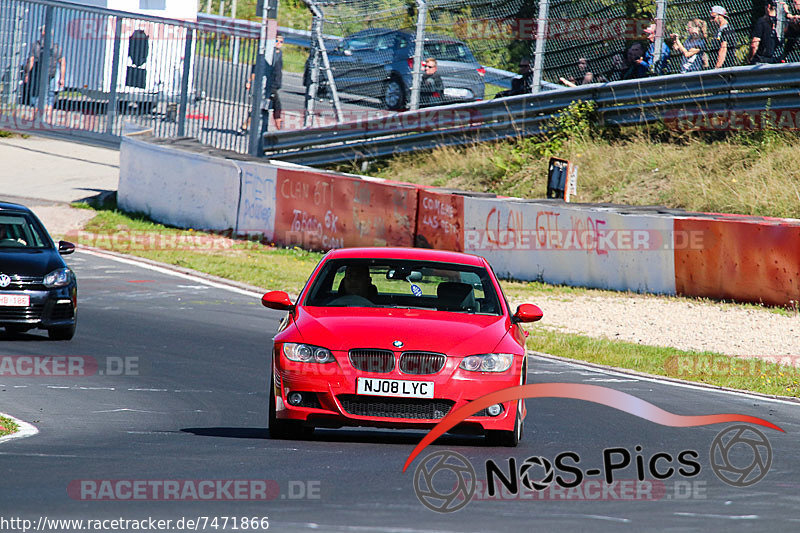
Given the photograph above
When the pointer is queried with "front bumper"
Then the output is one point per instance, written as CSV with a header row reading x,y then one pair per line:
x,y
47,309
331,399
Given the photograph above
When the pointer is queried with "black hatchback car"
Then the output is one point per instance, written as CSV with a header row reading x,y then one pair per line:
x,y
37,289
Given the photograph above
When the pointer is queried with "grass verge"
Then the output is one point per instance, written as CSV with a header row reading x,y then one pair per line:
x,y
756,175
710,368
277,268
7,426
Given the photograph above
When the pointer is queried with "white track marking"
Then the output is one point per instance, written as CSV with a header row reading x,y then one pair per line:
x,y
169,272
638,377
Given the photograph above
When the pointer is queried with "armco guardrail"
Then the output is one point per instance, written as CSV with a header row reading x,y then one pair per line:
x,y
641,249
640,101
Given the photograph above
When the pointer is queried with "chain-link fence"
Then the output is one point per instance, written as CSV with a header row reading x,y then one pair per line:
x,y
83,71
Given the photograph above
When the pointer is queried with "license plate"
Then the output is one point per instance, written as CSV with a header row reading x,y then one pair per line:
x,y
15,300
395,388
457,93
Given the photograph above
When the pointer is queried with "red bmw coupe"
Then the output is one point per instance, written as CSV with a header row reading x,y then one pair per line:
x,y
397,337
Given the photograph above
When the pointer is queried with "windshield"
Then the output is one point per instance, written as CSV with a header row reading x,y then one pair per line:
x,y
448,51
404,284
18,230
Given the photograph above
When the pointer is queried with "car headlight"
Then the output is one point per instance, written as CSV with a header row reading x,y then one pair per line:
x,y
58,278
305,353
489,362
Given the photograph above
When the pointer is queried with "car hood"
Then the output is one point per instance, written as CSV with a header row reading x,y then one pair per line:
x,y
341,328
29,262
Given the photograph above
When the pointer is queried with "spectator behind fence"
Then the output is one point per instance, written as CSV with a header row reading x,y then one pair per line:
x,y
764,36
792,29
521,84
56,74
582,75
617,70
694,49
725,41
634,67
432,87
276,72
648,62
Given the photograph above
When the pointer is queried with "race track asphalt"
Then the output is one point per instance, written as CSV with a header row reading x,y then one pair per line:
x,y
195,408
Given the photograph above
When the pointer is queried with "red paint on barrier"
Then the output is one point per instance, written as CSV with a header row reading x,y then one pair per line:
x,y
320,211
440,220
744,261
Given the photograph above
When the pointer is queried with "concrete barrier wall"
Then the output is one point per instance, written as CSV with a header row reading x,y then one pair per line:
x,y
559,243
256,213
440,220
732,257
320,211
179,188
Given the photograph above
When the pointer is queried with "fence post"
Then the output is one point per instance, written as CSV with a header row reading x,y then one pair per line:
x,y
187,63
113,100
422,13
781,24
261,84
541,42
661,12
320,42
313,74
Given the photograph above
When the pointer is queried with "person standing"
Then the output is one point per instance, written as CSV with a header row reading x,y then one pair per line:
x,y
275,72
648,62
694,47
56,75
725,40
764,37
432,88
582,76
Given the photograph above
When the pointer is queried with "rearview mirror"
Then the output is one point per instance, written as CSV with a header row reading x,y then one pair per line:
x,y
528,313
65,248
277,300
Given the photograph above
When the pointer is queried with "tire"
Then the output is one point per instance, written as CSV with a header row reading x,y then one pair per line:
x,y
62,333
284,429
394,94
510,439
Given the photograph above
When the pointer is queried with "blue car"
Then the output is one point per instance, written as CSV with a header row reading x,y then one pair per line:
x,y
378,63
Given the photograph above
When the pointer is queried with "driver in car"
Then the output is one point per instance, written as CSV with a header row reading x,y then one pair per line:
x,y
357,280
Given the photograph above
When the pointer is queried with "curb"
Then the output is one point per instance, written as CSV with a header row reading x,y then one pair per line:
x,y
665,379
25,429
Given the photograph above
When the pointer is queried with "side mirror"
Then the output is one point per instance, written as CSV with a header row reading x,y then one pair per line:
x,y
277,300
528,313
65,248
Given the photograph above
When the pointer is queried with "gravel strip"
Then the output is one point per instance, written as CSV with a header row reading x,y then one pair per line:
x,y
744,331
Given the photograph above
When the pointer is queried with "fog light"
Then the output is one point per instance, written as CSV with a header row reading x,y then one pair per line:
x,y
295,398
493,410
